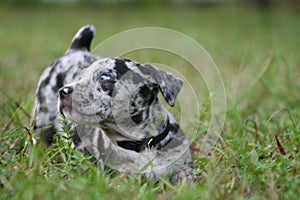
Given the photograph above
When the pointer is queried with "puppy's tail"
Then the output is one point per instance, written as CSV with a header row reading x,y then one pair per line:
x,y
83,38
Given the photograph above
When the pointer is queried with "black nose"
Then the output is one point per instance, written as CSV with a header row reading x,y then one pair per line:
x,y
65,91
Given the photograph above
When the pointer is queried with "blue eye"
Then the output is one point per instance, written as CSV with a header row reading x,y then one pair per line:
x,y
104,77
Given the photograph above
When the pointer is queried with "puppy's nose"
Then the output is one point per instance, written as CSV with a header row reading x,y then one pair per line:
x,y
65,91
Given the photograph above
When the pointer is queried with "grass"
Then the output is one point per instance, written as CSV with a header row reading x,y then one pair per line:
x,y
257,156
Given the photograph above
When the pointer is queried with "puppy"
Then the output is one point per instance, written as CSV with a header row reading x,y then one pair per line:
x,y
133,132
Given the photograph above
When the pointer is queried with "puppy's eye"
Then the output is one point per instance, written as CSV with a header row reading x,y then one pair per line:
x,y
104,77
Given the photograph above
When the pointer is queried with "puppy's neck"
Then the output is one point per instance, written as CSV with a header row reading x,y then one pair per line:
x,y
141,123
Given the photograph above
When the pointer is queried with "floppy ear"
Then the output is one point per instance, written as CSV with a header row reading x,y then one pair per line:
x,y
169,84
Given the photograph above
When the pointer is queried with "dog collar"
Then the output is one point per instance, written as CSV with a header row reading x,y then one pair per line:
x,y
149,142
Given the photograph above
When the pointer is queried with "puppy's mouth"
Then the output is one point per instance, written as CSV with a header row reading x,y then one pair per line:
x,y
65,100
67,111
65,105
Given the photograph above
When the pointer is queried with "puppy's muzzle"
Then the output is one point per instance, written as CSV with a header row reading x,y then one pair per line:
x,y
65,99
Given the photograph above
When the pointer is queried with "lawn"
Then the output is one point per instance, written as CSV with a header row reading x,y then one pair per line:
x,y
257,54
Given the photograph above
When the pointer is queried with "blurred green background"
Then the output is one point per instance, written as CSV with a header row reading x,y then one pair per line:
x,y
239,35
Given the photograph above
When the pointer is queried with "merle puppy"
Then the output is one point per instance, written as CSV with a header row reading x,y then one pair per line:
x,y
133,131
116,114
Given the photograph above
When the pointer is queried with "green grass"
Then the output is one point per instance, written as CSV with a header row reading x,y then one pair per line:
x,y
246,163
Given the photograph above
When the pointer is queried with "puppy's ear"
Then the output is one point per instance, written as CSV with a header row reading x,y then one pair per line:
x,y
169,84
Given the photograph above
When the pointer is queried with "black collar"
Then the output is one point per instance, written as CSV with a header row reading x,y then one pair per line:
x,y
150,142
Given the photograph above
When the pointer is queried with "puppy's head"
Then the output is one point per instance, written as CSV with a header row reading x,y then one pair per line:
x,y
120,88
